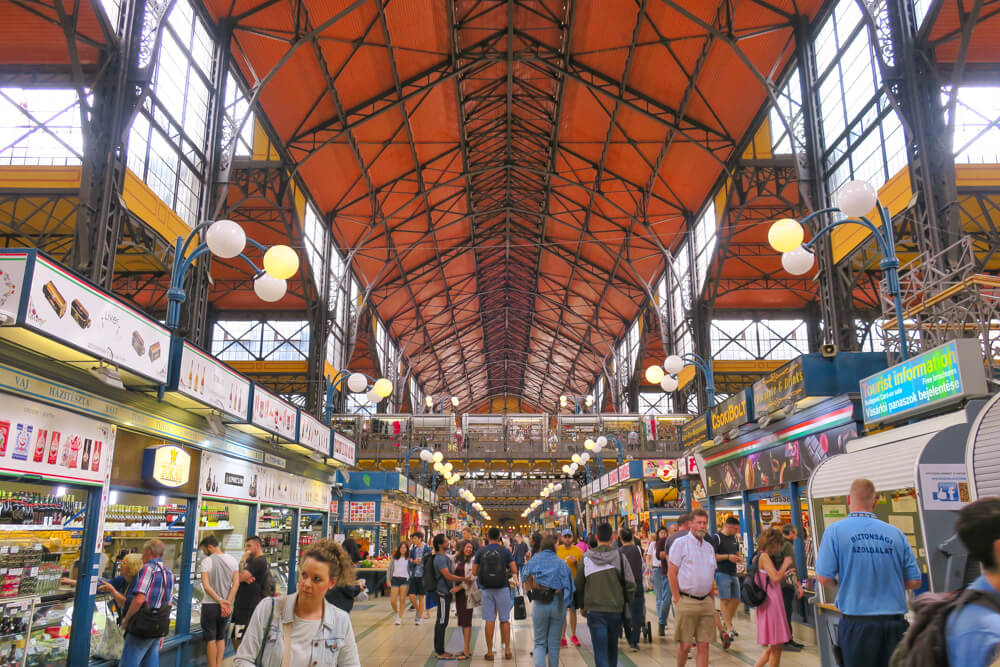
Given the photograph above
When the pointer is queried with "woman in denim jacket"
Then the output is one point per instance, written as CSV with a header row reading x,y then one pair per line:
x,y
549,581
303,628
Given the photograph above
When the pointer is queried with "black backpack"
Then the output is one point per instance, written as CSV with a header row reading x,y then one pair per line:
x,y
492,573
926,641
430,575
752,593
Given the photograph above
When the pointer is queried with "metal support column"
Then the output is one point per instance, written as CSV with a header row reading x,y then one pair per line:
x,y
795,497
686,489
293,553
712,527
87,572
745,527
189,558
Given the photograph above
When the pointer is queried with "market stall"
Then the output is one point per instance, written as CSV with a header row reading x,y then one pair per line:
x,y
920,475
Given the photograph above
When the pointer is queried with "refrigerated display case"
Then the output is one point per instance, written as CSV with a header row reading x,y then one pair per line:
x,y
274,527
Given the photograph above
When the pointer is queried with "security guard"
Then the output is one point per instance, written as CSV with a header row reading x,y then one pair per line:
x,y
873,564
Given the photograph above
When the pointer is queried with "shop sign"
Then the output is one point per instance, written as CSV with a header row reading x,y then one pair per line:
x,y
944,486
334,507
774,391
625,501
731,413
360,512
211,382
694,431
624,472
37,439
638,497
313,434
234,479
276,461
273,414
612,477
664,470
67,308
344,450
401,481
391,513
937,378
687,466
166,465
412,488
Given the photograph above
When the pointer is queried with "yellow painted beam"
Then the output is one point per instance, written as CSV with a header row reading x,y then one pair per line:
x,y
29,178
148,207
269,367
977,175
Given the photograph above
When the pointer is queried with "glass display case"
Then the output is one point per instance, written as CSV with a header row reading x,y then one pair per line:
x,y
16,614
229,523
274,527
310,527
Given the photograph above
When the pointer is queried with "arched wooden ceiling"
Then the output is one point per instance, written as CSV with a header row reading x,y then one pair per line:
x,y
510,172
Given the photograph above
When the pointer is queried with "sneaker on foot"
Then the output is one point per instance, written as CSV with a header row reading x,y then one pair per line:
x,y
564,643
574,640
418,620
633,648
792,646
663,630
398,619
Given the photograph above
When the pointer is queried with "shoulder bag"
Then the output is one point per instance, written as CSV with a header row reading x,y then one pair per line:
x,y
150,623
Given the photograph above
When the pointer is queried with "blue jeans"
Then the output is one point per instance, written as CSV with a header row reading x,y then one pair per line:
x,y
605,627
140,652
547,621
658,581
663,606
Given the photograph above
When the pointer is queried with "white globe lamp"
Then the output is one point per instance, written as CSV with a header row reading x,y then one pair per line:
x,y
669,383
785,235
225,239
438,457
575,458
268,288
383,387
373,396
584,457
281,261
673,364
588,444
798,262
654,374
357,382
589,400
565,469
426,456
856,198
601,443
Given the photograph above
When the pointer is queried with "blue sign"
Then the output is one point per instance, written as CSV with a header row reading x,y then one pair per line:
x,y
931,380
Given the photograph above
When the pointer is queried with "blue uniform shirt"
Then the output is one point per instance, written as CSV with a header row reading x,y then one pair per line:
x,y
871,561
974,632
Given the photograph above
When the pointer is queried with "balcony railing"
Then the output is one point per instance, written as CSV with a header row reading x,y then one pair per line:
x,y
514,436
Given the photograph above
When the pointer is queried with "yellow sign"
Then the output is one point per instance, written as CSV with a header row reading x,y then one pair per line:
x,y
167,465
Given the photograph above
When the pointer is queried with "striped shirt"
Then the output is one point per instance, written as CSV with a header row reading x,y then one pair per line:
x,y
156,582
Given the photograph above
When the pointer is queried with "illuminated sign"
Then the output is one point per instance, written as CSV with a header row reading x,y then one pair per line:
x,y
929,381
664,470
731,413
166,465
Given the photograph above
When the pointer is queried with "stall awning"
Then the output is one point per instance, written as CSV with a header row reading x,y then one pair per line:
x,y
888,459
983,451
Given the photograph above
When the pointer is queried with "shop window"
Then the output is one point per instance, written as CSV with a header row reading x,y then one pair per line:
x,y
977,125
789,108
314,233
40,127
703,237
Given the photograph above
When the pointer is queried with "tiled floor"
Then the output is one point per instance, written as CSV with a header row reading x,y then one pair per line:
x,y
381,642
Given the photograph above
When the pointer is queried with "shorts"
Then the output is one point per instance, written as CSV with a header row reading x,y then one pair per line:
x,y
497,602
396,582
213,623
728,584
417,585
695,620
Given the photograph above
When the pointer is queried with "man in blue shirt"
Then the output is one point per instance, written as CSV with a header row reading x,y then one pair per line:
x,y
873,565
973,632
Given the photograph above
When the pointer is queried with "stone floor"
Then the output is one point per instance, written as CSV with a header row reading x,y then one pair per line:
x,y
381,642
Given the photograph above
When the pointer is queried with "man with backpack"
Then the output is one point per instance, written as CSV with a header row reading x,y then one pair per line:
x,y
492,566
636,620
961,629
418,552
605,586
873,565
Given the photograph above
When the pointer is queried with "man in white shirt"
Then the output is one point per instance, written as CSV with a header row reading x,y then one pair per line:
x,y
220,579
691,571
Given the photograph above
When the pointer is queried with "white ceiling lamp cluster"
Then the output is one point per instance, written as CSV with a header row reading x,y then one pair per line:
x,y
440,466
548,490
593,446
468,497
666,376
381,389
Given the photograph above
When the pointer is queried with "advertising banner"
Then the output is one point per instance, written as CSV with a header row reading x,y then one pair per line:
x,y
625,501
731,413
391,513
12,265
209,381
360,512
929,381
612,478
273,414
313,434
783,461
344,450
777,389
228,478
65,307
624,472
694,431
664,470
36,439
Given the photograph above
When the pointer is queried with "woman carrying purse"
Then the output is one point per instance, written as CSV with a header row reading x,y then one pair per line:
x,y
303,628
550,586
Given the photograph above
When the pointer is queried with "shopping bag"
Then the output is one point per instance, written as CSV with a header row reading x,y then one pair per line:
x,y
109,643
431,601
520,611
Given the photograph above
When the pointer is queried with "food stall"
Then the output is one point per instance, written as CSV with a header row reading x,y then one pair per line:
x,y
920,476
665,499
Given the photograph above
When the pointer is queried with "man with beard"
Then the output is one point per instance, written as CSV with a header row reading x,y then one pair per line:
x,y
692,566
